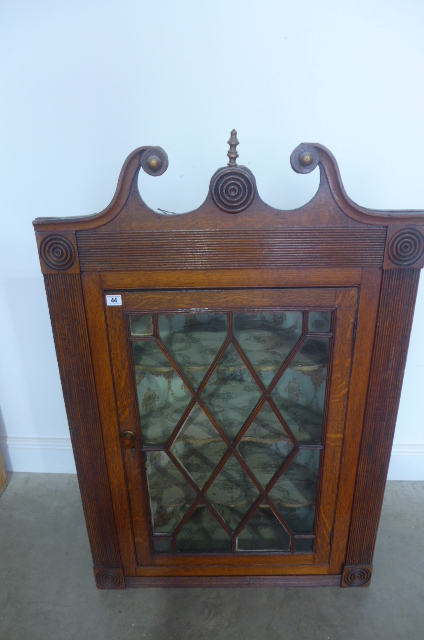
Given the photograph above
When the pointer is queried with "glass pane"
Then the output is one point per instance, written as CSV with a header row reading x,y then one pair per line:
x,y
295,492
231,393
265,445
303,544
162,544
141,325
202,533
263,532
267,339
300,393
198,446
319,321
170,493
232,493
194,340
162,395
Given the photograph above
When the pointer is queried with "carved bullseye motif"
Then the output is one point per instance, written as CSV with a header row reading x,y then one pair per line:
x,y
57,252
406,247
357,576
233,190
109,579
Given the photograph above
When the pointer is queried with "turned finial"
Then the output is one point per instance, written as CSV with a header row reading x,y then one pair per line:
x,y
232,153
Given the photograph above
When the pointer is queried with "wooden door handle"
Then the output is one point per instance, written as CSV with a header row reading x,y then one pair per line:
x,y
128,440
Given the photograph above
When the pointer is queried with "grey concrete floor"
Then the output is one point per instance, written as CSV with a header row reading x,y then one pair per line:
x,y
47,588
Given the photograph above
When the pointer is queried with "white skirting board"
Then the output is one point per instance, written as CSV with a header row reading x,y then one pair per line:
x,y
38,455
54,455
407,462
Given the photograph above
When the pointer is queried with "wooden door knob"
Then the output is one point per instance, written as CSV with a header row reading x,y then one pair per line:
x,y
128,440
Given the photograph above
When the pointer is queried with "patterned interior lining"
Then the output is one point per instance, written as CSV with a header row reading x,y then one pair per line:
x,y
261,408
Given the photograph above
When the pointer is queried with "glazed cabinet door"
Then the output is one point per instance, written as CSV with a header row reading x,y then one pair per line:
x,y
231,410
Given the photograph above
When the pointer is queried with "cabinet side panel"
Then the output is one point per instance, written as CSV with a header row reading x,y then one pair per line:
x,y
66,306
3,476
396,309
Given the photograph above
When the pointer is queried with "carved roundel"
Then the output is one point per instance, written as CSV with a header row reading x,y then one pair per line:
x,y
154,161
233,190
406,247
357,576
304,158
109,579
57,252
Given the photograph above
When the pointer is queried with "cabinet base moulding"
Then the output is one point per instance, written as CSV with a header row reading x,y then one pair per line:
x,y
234,581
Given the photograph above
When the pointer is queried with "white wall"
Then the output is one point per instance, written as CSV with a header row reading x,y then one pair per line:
x,y
84,83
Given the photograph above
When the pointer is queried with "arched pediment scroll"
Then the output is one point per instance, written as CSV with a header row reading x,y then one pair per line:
x,y
153,160
307,156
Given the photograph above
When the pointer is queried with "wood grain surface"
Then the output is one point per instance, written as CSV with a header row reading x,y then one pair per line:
x,y
3,475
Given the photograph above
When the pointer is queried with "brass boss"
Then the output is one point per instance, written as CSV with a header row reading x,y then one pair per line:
x,y
306,159
154,163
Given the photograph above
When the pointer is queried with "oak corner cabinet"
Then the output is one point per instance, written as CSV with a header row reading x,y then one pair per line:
x,y
232,376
